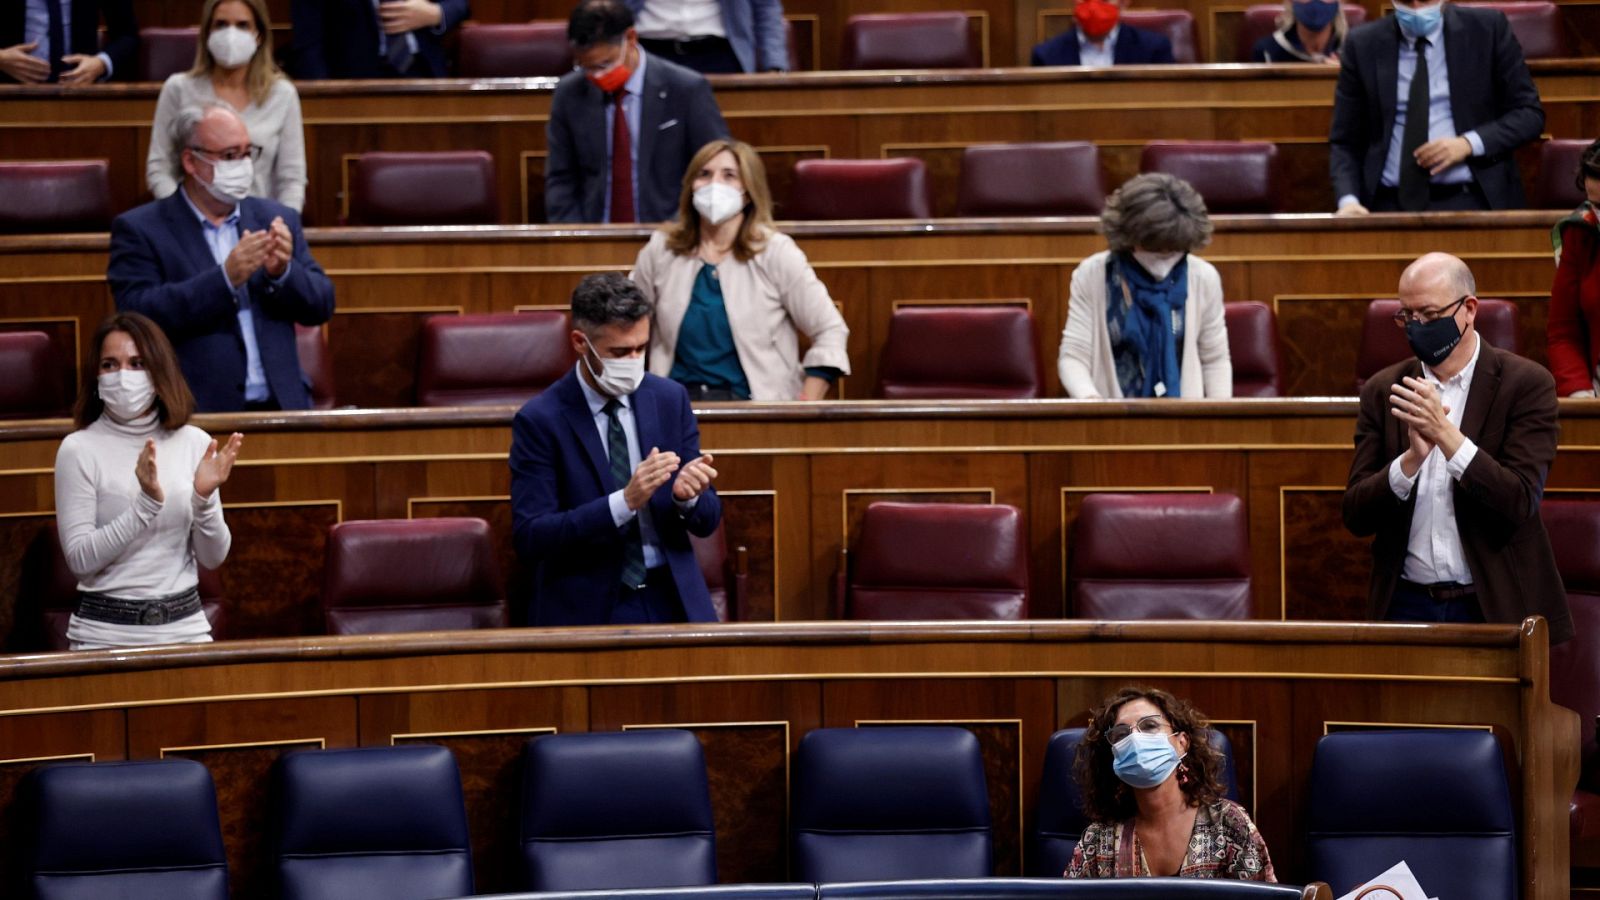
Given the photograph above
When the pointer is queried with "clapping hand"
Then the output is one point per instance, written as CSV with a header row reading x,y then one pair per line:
x,y
693,478
652,473
86,69
251,253
145,471
19,62
280,248
216,466
401,16
1416,402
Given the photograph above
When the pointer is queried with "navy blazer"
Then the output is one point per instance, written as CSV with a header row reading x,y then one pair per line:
x,y
1134,47
161,267
339,39
122,32
561,515
677,117
754,30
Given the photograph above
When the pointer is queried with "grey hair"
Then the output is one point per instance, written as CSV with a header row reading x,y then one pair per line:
x,y
187,122
607,298
1157,212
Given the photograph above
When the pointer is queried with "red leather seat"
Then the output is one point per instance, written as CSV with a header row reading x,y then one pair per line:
x,y
452,187
1060,178
1232,176
1160,556
30,377
939,561
956,352
166,51
55,196
918,40
390,575
316,362
1253,345
491,359
859,189
1537,25
515,50
1556,186
1383,343
727,575
1574,527
1176,24
1261,20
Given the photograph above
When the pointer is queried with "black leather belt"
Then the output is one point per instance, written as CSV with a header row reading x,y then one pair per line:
x,y
152,611
1435,191
1442,591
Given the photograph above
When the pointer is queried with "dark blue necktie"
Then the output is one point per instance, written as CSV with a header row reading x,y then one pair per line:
x,y
58,38
633,571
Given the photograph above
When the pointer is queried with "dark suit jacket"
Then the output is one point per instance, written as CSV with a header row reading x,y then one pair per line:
x,y
122,32
677,117
161,266
1511,416
561,517
339,39
1134,47
1490,92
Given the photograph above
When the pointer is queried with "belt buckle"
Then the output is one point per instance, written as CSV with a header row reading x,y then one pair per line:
x,y
152,614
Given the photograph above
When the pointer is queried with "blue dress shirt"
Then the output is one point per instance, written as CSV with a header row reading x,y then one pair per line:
x,y
36,30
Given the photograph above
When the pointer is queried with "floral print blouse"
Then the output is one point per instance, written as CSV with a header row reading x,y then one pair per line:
x,y
1224,844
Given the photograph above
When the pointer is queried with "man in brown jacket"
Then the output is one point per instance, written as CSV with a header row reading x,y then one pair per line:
x,y
1452,452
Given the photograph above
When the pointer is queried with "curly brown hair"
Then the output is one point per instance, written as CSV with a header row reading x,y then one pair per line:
x,y
1106,798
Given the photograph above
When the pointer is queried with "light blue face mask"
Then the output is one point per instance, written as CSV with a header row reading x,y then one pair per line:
x,y
1144,760
1421,22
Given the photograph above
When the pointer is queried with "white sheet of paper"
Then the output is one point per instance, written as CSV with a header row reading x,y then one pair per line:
x,y
1398,877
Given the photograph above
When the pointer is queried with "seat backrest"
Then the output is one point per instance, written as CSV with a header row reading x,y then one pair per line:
x,y
1436,798
1556,186
725,891
492,359
166,51
913,40
1057,178
1057,887
311,343
1261,20
1232,176
1176,24
30,376
1537,26
394,575
711,554
1574,528
859,189
1253,347
614,810
372,822
56,196
1383,343
515,50
1160,556
449,187
940,561
888,803
953,352
125,829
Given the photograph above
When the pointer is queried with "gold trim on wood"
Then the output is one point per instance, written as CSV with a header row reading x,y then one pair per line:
x,y
1440,725
777,545
542,729
844,499
522,177
43,759
1255,761
321,743
1089,489
1024,302
77,341
389,310
338,505
1283,539
816,36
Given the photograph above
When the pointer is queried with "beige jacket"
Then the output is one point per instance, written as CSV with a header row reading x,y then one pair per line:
x,y
1085,362
769,300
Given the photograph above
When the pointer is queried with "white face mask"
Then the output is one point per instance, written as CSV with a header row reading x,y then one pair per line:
x,y
717,202
620,378
231,179
232,47
1158,264
126,393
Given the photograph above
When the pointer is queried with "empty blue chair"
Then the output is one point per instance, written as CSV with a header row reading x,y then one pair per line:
x,y
621,809
885,803
130,830
1436,798
1076,889
722,891
372,822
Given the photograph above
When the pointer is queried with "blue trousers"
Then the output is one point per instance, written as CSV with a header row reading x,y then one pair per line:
x,y
656,602
1412,605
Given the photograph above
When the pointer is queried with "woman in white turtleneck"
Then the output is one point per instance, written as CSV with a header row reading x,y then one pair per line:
x,y
137,501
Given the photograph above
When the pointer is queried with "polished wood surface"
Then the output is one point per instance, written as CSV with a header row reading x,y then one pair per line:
x,y
750,692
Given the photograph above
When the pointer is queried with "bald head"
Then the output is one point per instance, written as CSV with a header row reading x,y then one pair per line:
x,y
1437,275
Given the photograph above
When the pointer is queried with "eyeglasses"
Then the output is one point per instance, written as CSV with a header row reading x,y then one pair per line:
x,y
1406,316
230,154
1151,724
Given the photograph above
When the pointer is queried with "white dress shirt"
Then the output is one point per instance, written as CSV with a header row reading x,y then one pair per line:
x,y
677,20
1101,54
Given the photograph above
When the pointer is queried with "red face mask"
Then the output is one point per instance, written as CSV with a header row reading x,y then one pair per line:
x,y
1096,17
611,80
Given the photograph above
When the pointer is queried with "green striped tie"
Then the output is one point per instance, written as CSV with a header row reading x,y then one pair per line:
x,y
633,571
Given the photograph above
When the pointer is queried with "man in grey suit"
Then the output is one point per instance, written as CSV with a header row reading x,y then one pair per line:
x,y
623,126
715,36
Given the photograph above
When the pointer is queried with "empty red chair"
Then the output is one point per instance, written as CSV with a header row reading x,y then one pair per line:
x,y
166,51
1253,346
316,362
391,575
518,50
1556,186
1160,556
939,561
960,352
1261,20
1383,343
1232,176
921,40
859,189
452,187
486,360
1537,26
31,384
727,575
55,196
1060,178
1176,24
1574,527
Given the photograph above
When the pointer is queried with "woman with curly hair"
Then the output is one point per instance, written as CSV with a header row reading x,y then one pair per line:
x,y
1152,787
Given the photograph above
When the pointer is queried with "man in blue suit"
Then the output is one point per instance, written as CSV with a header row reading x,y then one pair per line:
x,y
1097,38
59,40
226,275
714,36
367,39
607,478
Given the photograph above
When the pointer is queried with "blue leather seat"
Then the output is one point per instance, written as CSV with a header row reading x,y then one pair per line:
x,y
890,803
728,891
372,822
620,809
1076,889
1436,798
131,830
1060,818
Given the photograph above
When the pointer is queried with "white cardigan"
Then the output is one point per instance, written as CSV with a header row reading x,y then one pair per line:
x,y
769,300
274,125
1085,362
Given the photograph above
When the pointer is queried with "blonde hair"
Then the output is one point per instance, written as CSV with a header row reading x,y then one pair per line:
x,y
1340,26
263,71
683,233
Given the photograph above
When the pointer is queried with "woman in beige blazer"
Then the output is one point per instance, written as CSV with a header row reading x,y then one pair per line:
x,y
732,293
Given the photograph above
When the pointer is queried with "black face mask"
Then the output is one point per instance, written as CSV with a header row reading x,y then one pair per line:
x,y
1433,341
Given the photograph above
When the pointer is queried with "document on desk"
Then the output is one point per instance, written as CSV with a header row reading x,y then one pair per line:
x,y
1395,884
